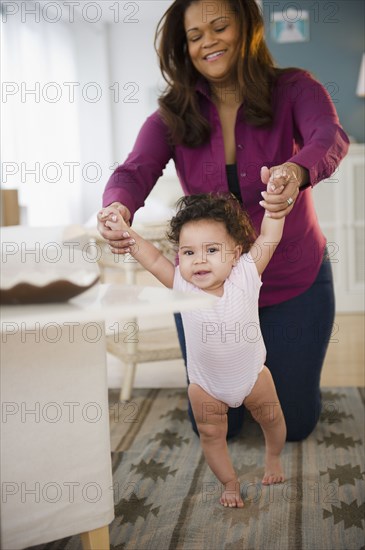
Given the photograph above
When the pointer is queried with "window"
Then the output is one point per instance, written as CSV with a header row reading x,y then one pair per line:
x,y
56,129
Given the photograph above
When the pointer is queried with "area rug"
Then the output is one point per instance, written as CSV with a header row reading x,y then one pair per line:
x,y
166,498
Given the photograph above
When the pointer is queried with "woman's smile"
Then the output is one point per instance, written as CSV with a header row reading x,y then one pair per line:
x,y
214,56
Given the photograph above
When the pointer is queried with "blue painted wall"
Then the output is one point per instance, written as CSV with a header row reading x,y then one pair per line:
x,y
332,54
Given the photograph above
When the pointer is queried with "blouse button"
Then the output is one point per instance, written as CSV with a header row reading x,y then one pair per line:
x,y
243,174
240,146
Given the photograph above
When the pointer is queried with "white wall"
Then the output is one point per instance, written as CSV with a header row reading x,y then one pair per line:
x,y
133,60
134,65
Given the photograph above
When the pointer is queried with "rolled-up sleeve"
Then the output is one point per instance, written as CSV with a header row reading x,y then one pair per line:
x,y
323,142
133,180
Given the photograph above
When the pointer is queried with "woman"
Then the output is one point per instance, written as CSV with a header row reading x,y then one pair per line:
x,y
226,113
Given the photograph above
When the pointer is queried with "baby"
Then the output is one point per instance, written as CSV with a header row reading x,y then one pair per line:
x,y
218,254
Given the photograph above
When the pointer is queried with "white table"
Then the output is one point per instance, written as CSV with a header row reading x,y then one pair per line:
x,y
55,452
106,302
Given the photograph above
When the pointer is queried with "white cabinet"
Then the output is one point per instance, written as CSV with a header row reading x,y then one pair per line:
x,y
340,202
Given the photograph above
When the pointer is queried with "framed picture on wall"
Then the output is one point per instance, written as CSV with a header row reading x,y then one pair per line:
x,y
290,26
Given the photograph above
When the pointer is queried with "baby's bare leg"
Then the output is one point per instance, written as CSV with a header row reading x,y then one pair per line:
x,y
211,418
263,403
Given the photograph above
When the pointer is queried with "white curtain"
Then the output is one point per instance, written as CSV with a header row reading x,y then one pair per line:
x,y
56,142
40,124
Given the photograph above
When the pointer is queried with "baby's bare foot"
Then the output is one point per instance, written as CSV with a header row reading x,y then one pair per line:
x,y
273,470
231,495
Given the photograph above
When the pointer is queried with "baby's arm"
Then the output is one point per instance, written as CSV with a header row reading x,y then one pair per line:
x,y
270,235
266,243
143,251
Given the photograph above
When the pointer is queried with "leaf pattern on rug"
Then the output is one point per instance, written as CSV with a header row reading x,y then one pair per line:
x,y
129,510
244,515
339,441
153,470
316,508
120,546
346,474
351,514
333,416
329,395
176,414
169,439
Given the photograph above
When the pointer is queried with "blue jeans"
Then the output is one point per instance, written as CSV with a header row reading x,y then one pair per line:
x,y
296,335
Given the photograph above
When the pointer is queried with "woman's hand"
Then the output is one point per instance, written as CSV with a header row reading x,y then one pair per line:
x,y
118,241
283,184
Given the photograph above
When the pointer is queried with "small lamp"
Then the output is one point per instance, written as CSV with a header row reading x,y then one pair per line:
x,y
360,90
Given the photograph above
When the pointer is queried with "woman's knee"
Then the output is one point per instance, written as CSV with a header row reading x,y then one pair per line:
x,y
299,433
235,418
299,429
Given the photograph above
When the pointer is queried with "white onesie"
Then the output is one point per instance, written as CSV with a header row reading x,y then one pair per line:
x,y
225,348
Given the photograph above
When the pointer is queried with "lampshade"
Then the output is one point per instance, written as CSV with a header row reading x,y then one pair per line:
x,y
360,90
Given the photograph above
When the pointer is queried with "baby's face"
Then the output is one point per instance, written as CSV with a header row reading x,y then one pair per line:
x,y
207,254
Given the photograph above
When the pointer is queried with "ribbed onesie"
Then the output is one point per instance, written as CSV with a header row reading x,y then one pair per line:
x,y
225,348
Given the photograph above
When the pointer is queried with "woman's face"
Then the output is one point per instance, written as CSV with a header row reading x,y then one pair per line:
x,y
212,34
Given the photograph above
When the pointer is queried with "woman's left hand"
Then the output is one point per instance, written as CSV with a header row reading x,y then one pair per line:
x,y
283,184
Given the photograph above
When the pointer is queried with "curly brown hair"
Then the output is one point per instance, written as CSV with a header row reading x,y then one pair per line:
x,y
221,207
255,76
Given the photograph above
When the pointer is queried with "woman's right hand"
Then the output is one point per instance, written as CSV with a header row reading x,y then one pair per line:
x,y
118,241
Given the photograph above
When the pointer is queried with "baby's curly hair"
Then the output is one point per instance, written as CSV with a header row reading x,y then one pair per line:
x,y
221,207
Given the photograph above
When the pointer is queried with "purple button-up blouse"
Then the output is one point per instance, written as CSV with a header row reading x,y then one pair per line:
x,y
305,130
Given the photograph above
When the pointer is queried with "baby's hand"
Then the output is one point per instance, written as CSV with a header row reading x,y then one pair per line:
x,y
115,220
268,179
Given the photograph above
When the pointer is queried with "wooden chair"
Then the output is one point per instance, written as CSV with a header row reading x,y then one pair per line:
x,y
139,346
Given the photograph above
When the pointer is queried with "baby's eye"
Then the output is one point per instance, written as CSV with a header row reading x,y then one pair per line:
x,y
188,252
212,249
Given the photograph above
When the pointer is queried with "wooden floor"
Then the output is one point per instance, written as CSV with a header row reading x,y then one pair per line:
x,y
344,363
